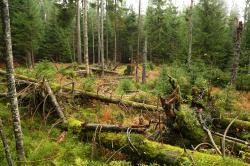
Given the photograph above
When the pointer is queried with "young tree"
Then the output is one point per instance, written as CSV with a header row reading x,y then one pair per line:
x,y
78,33
12,95
85,34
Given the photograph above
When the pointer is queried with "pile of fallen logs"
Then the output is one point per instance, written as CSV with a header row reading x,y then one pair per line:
x,y
137,146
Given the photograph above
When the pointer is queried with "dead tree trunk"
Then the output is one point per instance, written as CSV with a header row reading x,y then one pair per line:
x,y
5,145
190,33
237,51
12,95
138,44
78,34
85,34
54,101
144,65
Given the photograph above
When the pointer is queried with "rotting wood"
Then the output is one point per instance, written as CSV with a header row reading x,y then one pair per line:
x,y
138,148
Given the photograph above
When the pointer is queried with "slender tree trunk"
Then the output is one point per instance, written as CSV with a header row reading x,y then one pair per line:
x,y
107,32
5,145
138,44
78,34
144,66
237,51
29,60
85,34
115,35
11,80
98,30
93,41
102,37
190,33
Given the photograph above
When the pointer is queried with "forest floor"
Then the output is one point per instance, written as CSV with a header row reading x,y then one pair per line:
x,y
46,144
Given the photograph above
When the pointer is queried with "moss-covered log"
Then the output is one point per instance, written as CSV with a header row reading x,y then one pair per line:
x,y
94,96
140,148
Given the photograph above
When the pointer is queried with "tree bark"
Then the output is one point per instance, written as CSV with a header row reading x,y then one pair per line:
x,y
85,34
107,32
102,37
55,102
237,52
78,34
138,44
5,145
190,33
98,30
144,65
29,60
93,40
115,35
12,95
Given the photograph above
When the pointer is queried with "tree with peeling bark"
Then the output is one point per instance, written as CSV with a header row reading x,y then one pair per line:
x,y
12,95
85,35
78,33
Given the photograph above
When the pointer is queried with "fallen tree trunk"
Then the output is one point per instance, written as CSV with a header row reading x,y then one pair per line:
x,y
139,149
54,101
94,96
110,128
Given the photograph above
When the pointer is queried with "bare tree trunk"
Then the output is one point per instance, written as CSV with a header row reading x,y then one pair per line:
x,y
78,34
107,32
11,80
98,30
138,44
115,47
237,51
102,37
190,33
85,34
93,41
29,60
144,66
5,145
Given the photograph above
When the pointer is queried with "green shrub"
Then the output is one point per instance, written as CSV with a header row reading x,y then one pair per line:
x,y
217,77
45,69
243,82
89,84
68,72
124,86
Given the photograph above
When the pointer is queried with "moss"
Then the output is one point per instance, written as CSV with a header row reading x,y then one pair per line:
x,y
189,125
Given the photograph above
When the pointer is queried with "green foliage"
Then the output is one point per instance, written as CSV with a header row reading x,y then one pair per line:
x,y
129,70
141,97
45,69
226,99
89,84
124,86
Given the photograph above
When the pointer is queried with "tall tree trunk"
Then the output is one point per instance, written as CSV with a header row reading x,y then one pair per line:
x,y
115,35
98,30
29,60
138,44
93,40
144,66
85,34
102,37
190,33
11,80
78,34
5,145
237,51
107,32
